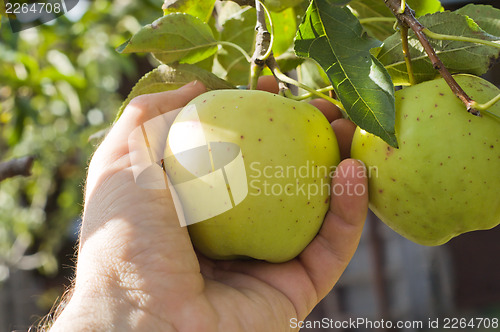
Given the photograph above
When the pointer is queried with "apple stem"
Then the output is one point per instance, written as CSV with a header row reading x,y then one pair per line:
x,y
309,94
236,47
406,53
281,78
402,7
484,107
368,20
273,66
407,19
441,36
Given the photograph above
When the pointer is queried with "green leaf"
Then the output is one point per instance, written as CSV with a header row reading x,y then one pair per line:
x,y
280,5
21,113
370,11
238,26
339,2
164,78
424,7
285,26
377,8
487,17
201,9
334,38
4,13
288,61
174,37
311,74
457,56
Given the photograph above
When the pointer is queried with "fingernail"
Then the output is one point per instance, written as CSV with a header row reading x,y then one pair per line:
x,y
362,164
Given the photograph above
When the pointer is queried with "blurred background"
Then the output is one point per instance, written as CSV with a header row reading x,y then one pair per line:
x,y
62,83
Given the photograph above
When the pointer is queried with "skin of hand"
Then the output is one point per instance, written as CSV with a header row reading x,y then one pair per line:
x,y
137,269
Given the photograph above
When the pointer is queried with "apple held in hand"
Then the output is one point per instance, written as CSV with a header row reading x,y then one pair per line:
x,y
252,171
444,179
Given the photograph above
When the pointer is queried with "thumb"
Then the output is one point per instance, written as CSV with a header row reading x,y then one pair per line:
x,y
328,254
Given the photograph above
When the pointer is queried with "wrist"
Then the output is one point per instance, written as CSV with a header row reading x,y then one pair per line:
x,y
92,307
100,301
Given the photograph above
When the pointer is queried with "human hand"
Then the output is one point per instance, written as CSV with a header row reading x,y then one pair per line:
x,y
137,269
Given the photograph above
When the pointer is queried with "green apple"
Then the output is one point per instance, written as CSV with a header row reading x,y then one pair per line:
x,y
252,172
444,179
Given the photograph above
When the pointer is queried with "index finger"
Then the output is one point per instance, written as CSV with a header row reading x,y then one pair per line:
x,y
144,108
119,142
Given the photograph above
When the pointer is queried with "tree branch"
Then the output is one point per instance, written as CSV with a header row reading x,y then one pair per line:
x,y
14,167
263,38
262,44
407,19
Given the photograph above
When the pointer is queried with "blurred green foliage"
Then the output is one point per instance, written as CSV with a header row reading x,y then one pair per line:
x,y
59,84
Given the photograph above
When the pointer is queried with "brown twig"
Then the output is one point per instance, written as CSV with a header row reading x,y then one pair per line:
x,y
407,19
262,55
263,38
14,167
262,44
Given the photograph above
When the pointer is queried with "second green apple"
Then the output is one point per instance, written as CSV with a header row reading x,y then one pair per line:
x,y
444,179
